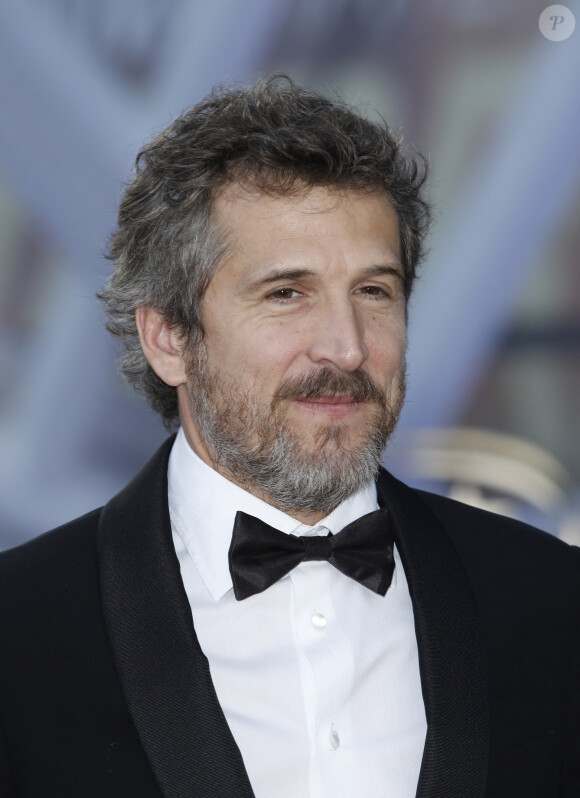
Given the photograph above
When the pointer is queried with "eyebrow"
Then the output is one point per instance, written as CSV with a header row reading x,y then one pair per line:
x,y
280,274
394,269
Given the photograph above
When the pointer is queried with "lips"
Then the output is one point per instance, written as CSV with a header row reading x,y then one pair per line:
x,y
340,399
338,406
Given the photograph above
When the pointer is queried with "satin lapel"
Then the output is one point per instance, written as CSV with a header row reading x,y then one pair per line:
x,y
164,673
451,652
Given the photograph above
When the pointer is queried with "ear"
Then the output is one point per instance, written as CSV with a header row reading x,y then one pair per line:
x,y
161,345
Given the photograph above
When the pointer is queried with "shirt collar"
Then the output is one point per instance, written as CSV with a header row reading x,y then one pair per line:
x,y
203,506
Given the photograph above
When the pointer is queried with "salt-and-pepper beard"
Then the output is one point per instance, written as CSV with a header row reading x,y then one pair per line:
x,y
255,447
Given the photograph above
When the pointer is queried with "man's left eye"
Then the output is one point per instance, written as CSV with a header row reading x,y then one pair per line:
x,y
283,294
372,291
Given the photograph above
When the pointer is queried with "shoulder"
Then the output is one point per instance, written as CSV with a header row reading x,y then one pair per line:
x,y
463,520
73,546
504,551
52,563
485,533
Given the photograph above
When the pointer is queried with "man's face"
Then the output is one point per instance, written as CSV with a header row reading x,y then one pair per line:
x,y
300,377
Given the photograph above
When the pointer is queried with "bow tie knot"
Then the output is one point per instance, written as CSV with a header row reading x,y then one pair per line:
x,y
317,547
260,555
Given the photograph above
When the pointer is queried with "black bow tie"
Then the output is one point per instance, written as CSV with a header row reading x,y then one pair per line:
x,y
261,555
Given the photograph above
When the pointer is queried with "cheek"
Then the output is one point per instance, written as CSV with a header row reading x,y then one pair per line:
x,y
388,341
256,364
387,356
279,349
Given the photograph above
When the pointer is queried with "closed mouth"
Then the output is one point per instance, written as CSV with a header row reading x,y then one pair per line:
x,y
338,404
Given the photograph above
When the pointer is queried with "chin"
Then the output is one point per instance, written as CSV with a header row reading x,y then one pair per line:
x,y
335,438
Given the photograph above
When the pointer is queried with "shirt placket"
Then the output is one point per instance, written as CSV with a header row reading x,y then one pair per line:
x,y
327,670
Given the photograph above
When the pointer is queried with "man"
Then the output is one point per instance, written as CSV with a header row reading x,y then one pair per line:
x,y
263,611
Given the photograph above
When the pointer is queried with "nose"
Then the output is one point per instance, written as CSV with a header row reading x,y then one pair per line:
x,y
338,337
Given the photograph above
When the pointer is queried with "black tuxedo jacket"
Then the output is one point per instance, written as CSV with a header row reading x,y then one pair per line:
x,y
105,692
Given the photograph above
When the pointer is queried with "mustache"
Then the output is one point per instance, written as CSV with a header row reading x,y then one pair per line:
x,y
328,382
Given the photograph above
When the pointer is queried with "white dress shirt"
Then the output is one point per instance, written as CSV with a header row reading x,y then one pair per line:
x,y
318,676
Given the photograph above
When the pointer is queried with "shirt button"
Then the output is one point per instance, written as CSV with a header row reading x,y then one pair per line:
x,y
334,739
318,621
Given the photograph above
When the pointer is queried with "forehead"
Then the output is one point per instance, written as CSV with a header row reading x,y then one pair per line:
x,y
318,222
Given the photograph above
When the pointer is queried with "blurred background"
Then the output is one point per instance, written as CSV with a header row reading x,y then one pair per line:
x,y
493,414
